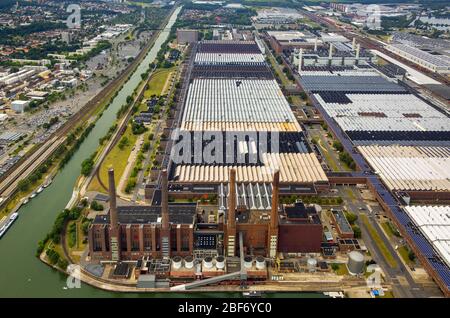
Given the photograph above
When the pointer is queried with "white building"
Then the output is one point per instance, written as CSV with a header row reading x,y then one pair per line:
x,y
19,105
435,63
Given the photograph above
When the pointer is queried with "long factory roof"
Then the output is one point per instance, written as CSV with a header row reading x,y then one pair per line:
x,y
410,168
349,83
382,112
231,104
294,168
436,60
434,223
229,58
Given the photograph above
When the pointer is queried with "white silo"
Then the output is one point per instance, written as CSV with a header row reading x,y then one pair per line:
x,y
260,263
188,262
220,262
248,262
176,262
207,262
355,263
311,264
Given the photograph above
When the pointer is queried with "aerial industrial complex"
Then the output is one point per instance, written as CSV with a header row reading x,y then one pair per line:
x,y
228,148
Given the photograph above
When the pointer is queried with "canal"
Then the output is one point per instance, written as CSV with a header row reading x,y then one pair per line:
x,y
24,275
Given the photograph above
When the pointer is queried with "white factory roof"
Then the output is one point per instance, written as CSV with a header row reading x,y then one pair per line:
x,y
434,223
385,112
425,56
410,168
412,74
246,104
291,36
293,167
228,58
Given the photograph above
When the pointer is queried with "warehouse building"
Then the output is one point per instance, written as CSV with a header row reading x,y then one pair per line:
x,y
434,223
239,105
187,36
288,40
362,107
432,62
411,169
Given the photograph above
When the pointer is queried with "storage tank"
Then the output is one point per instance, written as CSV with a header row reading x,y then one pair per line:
x,y
207,262
260,263
311,264
248,262
355,263
176,262
220,262
189,262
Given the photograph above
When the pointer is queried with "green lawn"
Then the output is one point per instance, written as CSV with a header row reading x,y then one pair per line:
x,y
157,82
117,158
278,69
404,253
379,242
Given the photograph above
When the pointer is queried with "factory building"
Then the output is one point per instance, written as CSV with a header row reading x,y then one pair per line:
x,y
288,40
362,107
187,36
419,171
433,62
270,155
132,232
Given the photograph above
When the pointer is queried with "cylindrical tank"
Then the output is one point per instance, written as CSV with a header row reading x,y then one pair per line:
x,y
260,263
176,262
248,262
311,264
189,262
207,262
220,262
355,263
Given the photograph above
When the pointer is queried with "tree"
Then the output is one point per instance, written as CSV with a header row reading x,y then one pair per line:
x,y
96,206
86,166
23,185
411,255
351,217
338,145
356,231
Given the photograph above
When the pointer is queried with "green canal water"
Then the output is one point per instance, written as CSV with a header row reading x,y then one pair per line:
x,y
21,273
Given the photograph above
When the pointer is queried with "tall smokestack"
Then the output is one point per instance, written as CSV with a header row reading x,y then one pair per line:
x,y
354,44
315,45
358,48
330,54
164,200
232,200
275,195
112,199
300,60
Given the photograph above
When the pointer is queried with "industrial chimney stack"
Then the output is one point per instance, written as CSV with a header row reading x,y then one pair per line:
x,y
112,200
272,242
275,195
231,220
300,60
358,48
114,231
164,200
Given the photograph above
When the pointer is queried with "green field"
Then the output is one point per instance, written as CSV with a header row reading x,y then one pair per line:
x,y
157,82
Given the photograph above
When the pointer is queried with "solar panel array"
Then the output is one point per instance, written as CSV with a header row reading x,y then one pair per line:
x,y
392,118
349,83
229,58
434,223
